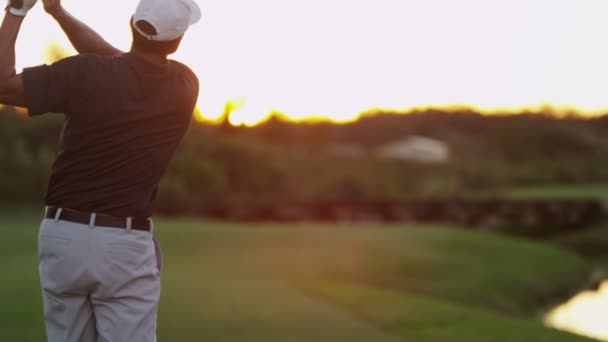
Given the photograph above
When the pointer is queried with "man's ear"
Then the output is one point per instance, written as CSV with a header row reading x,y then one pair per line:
x,y
146,27
18,4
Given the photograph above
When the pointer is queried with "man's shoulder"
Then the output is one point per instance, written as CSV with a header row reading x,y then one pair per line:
x,y
84,61
181,65
72,66
86,58
185,70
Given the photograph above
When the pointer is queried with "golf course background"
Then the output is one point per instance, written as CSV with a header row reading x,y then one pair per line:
x,y
225,281
311,282
247,281
280,161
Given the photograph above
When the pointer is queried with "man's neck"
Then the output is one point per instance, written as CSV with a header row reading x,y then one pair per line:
x,y
150,57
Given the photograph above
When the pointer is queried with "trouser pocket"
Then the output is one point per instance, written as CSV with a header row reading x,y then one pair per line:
x,y
159,254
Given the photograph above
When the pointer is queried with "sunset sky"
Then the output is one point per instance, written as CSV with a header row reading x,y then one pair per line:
x,y
336,58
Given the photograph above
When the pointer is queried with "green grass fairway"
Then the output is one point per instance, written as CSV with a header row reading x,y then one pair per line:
x,y
235,282
590,243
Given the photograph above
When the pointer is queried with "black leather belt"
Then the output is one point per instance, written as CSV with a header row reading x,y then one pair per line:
x,y
100,219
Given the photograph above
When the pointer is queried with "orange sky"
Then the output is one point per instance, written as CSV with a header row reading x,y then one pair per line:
x,y
337,58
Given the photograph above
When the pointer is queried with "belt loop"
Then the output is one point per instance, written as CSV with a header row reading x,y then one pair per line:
x,y
92,221
129,223
58,214
151,225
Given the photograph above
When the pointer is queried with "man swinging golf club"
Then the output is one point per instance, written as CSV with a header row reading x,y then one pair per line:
x,y
125,116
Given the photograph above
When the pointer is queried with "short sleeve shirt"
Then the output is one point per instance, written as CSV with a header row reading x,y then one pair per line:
x,y
125,117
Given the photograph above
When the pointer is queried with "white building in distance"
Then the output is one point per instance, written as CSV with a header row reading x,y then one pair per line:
x,y
416,149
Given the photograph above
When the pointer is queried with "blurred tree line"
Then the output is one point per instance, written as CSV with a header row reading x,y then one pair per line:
x,y
487,152
284,161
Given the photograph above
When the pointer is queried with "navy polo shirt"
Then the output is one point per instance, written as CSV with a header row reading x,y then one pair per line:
x,y
125,117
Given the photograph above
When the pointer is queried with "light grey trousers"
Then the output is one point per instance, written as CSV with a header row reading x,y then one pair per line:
x,y
98,284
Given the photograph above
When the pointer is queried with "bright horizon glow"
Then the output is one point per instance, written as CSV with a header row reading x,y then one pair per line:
x,y
336,59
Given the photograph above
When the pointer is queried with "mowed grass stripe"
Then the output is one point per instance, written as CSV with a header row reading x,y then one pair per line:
x,y
423,319
234,282
474,268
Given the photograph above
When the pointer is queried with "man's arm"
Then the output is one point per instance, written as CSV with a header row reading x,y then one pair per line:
x,y
11,84
83,38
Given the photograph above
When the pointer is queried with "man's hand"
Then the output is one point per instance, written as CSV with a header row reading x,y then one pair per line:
x,y
20,7
52,7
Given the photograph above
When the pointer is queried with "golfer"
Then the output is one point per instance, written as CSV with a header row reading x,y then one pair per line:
x,y
125,116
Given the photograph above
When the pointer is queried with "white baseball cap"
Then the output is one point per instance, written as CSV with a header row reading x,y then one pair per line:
x,y
170,18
